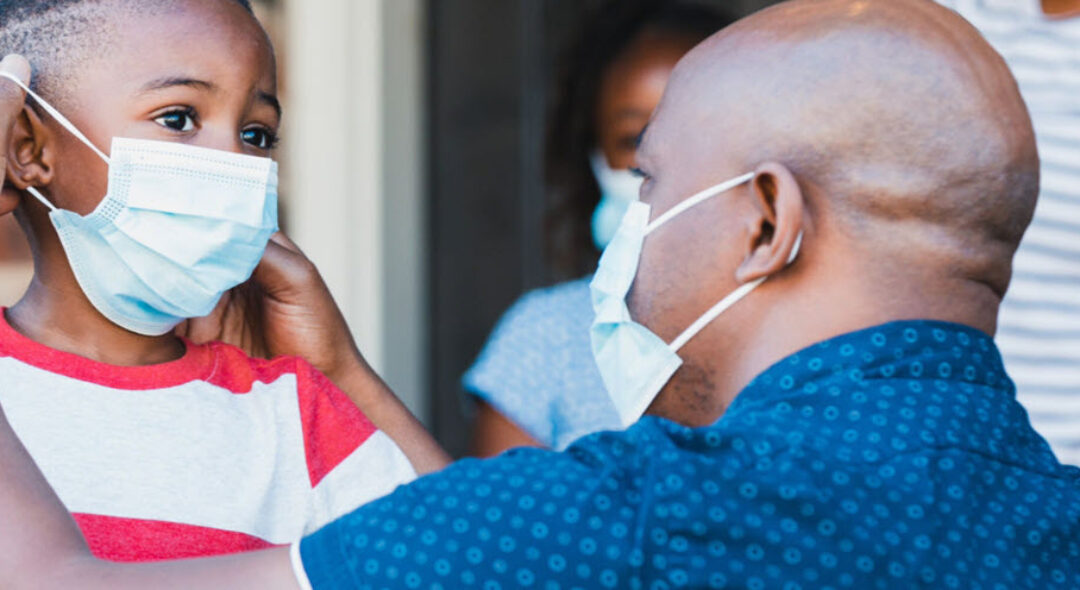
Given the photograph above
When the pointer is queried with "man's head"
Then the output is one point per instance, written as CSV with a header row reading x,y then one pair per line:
x,y
887,132
200,72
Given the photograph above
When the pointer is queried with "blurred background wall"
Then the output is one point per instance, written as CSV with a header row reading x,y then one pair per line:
x,y
412,161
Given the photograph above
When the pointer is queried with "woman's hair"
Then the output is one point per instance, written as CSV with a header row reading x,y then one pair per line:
x,y
572,192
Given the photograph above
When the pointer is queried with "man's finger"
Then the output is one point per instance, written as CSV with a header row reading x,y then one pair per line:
x,y
283,270
12,97
283,240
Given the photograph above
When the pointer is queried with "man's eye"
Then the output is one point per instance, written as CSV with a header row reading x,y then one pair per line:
x,y
259,138
181,120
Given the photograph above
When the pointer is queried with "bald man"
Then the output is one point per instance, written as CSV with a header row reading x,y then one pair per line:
x,y
859,173
1039,324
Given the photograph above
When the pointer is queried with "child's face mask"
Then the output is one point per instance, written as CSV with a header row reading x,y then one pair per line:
x,y
179,226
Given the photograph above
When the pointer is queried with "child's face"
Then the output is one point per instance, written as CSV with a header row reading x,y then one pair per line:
x,y
200,73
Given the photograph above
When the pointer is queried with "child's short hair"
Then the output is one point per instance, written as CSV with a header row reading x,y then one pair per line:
x,y
56,35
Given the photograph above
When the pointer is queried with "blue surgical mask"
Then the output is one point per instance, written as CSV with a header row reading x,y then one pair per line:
x,y
178,227
618,188
635,363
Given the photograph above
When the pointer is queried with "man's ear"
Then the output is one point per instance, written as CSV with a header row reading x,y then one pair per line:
x,y
774,235
30,158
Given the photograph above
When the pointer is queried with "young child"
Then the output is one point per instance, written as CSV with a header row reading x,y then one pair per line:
x,y
146,190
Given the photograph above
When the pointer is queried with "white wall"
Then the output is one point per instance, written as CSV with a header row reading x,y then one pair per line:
x,y
405,243
354,141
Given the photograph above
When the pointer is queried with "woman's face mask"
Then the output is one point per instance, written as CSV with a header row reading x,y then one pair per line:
x,y
179,226
618,188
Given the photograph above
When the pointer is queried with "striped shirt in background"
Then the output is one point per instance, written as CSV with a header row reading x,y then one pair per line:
x,y
1039,328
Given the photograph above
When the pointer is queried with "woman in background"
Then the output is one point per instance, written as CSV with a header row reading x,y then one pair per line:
x,y
535,382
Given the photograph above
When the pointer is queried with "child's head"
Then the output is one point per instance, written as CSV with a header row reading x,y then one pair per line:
x,y
192,71
199,72
61,35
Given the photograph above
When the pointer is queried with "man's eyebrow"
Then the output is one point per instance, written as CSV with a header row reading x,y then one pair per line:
x,y
270,99
633,113
172,81
641,136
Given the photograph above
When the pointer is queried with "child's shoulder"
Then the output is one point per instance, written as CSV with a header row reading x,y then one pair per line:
x,y
333,426
239,372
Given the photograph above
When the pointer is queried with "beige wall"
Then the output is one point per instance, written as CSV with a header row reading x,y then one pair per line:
x,y
354,163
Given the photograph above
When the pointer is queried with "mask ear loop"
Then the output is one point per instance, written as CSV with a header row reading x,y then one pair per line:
x,y
726,303
37,195
697,199
55,114
63,121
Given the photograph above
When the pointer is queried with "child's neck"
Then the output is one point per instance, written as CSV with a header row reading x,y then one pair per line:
x,y
63,319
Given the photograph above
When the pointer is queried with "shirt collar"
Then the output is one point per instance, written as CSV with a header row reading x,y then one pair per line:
x,y
941,352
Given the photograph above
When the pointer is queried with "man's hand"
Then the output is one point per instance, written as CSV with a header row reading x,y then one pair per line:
x,y
287,309
12,101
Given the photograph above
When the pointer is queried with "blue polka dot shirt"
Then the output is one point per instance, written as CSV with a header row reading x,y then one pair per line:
x,y
894,457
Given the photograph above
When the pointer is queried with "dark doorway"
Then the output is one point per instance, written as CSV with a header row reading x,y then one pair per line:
x,y
490,73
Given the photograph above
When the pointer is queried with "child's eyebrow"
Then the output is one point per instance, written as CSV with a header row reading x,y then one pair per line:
x,y
171,81
271,100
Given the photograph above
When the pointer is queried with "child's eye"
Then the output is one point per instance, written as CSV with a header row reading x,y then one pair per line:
x,y
638,172
260,138
181,120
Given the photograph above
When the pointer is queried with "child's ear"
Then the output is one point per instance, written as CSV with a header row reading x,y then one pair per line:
x,y
30,158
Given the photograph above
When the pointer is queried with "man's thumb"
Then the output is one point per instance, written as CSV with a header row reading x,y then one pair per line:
x,y
12,96
12,99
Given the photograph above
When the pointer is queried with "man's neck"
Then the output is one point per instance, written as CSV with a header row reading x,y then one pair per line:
x,y
776,323
62,318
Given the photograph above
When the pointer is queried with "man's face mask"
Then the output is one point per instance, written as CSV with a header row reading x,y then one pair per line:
x,y
179,226
635,363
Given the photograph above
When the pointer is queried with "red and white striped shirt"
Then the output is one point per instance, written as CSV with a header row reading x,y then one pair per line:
x,y
213,453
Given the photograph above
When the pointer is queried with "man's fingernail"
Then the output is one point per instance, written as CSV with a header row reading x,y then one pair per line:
x,y
16,65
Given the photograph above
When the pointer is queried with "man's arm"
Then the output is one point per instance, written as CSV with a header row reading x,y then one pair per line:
x,y
37,535
493,432
41,547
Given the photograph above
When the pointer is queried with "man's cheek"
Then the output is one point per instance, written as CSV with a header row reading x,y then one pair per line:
x,y
648,286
